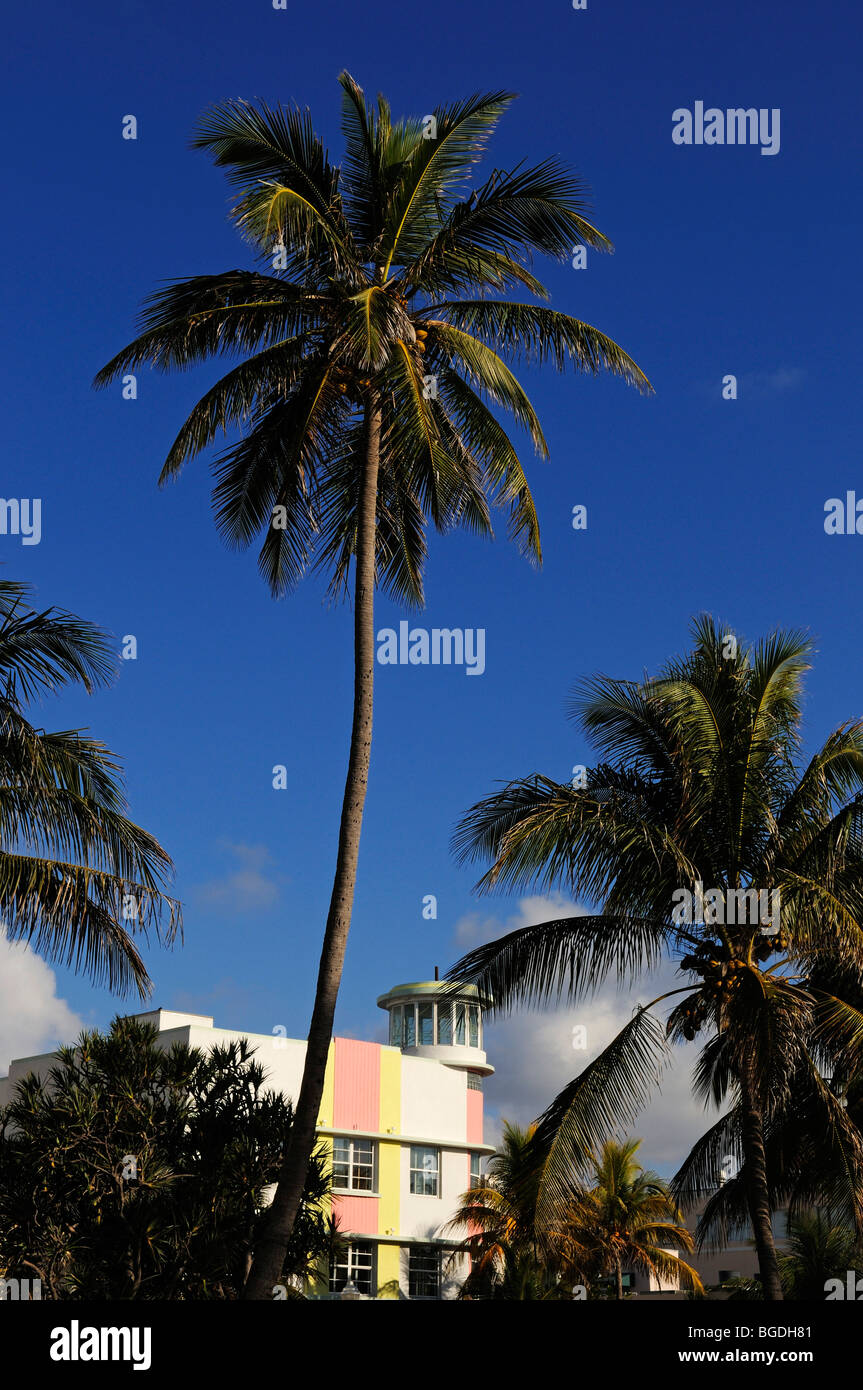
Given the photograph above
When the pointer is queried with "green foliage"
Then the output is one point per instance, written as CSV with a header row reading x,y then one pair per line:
x,y
701,780
206,1139
71,862
625,1219
375,281
620,1217
819,1248
506,1259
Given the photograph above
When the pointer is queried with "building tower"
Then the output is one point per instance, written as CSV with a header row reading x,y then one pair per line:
x,y
430,1019
438,1031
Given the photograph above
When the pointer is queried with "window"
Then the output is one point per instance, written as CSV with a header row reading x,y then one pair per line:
x,y
474,1081
426,1025
475,1169
355,1261
425,1170
431,1022
444,1024
354,1164
423,1272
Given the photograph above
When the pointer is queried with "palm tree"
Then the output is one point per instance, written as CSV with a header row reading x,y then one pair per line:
x,y
370,354
819,1249
806,1160
506,1260
705,786
807,1156
78,879
624,1216
628,1217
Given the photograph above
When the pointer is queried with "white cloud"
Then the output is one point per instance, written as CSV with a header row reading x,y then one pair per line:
x,y
474,930
534,1056
32,1018
249,888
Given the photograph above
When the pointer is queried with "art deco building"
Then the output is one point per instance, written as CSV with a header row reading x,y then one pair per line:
x,y
403,1120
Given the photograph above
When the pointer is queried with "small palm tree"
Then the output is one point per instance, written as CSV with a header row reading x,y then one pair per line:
x,y
499,1212
627,1218
78,879
371,352
704,785
819,1249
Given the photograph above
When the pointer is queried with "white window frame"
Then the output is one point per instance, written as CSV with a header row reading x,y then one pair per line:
x,y
430,1253
346,1262
423,1172
443,1011
428,1007
354,1165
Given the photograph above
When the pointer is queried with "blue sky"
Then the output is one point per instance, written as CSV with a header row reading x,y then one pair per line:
x,y
726,261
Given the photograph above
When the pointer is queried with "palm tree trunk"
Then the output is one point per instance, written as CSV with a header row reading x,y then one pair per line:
x,y
270,1252
757,1192
619,1270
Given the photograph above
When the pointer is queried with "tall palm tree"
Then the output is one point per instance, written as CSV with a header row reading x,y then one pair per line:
x,y
78,879
370,355
628,1217
704,785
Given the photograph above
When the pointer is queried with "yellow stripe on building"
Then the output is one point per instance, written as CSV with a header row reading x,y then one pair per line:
x,y
325,1114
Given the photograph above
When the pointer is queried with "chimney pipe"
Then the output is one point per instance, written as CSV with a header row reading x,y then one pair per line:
x,y
436,973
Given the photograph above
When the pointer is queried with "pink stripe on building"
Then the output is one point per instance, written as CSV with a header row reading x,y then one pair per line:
x,y
357,1085
474,1117
358,1214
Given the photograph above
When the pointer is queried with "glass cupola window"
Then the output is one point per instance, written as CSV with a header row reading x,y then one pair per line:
x,y
435,1022
439,1020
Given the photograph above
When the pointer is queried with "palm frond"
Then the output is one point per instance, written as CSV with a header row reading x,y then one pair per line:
x,y
536,333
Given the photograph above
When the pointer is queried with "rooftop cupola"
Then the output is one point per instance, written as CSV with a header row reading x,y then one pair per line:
x,y
433,1018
